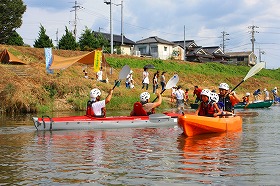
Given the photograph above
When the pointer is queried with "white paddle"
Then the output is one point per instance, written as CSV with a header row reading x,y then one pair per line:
x,y
171,83
255,69
123,74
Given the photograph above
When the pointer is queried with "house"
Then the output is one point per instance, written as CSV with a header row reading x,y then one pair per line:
x,y
242,58
217,53
198,54
126,48
190,45
155,47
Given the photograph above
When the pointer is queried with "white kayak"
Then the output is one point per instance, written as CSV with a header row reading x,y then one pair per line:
x,y
112,122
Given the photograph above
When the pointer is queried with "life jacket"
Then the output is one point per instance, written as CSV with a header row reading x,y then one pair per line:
x,y
139,110
245,99
206,109
227,103
90,112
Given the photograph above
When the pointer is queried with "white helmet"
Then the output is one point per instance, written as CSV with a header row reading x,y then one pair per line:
x,y
144,96
214,97
248,94
94,93
206,92
224,86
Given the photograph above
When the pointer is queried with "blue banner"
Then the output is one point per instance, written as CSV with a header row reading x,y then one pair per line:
x,y
49,60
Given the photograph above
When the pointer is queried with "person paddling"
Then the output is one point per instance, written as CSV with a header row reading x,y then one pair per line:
x,y
227,99
97,107
145,107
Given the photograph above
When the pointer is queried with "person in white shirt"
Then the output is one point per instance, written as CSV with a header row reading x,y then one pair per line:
x,y
266,94
97,105
99,74
129,80
180,96
145,80
162,81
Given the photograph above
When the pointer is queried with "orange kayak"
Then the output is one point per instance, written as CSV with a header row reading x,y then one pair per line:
x,y
193,125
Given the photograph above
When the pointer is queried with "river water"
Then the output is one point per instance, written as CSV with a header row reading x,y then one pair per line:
x,y
161,156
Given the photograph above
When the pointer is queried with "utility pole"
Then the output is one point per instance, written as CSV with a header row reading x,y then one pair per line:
x,y
111,24
184,43
122,20
260,54
224,34
75,8
56,39
253,31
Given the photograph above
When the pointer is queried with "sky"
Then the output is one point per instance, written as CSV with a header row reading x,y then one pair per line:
x,y
203,20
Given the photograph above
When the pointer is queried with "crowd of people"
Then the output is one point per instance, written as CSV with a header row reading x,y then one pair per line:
x,y
260,95
209,102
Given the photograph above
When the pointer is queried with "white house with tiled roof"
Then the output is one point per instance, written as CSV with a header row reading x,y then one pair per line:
x,y
155,47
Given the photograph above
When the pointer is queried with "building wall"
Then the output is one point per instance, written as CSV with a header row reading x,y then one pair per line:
x,y
125,50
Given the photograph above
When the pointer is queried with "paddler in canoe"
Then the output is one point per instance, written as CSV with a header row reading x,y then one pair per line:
x,y
144,107
208,105
97,107
227,99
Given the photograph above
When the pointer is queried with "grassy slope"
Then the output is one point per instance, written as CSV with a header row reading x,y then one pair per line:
x,y
69,90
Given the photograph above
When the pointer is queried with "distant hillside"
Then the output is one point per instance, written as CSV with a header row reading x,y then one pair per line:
x,y
27,88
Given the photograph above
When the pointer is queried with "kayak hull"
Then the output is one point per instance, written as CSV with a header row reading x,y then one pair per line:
x,y
255,104
193,125
113,122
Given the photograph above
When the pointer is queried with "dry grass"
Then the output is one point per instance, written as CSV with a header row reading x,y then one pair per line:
x,y
68,89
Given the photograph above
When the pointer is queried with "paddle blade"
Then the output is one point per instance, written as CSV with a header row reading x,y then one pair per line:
x,y
124,72
255,69
172,82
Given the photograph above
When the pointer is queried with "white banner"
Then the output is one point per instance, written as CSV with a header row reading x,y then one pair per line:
x,y
49,60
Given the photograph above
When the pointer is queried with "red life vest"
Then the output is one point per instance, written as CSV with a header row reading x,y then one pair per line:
x,y
138,110
90,112
206,110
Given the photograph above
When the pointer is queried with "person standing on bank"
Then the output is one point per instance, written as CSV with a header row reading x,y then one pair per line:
x,y
145,80
155,82
180,97
162,81
197,92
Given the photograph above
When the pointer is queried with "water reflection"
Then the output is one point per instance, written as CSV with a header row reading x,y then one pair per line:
x,y
211,155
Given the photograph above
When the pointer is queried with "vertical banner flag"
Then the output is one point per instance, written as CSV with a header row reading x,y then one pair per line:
x,y
49,60
97,60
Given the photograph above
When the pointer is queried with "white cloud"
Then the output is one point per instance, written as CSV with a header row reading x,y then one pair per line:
x,y
204,21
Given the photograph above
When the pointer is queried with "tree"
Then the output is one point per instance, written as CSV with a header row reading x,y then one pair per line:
x,y
10,17
67,41
43,41
15,39
101,40
87,41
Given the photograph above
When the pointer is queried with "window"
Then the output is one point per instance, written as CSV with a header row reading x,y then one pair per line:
x,y
142,50
240,58
154,49
165,49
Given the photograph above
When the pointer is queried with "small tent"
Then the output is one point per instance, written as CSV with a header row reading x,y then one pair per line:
x,y
65,62
8,58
